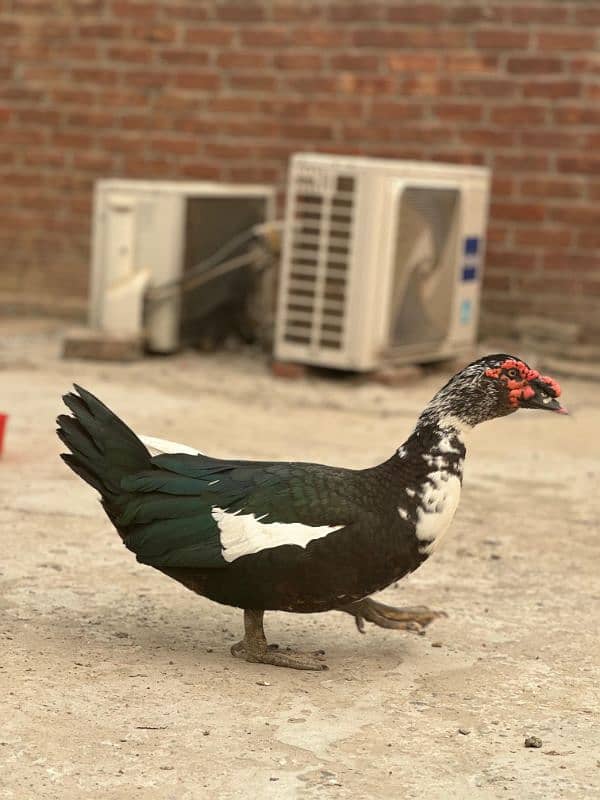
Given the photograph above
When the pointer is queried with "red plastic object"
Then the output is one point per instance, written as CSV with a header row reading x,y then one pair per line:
x,y
3,421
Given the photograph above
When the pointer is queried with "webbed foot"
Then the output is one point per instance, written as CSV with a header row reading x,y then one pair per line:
x,y
409,618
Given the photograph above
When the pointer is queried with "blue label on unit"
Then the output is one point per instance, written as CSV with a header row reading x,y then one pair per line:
x,y
466,308
469,273
472,245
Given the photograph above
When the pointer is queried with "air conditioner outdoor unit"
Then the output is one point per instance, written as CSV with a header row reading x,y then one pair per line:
x,y
381,260
147,235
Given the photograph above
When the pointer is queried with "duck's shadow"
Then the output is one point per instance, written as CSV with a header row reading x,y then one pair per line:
x,y
204,636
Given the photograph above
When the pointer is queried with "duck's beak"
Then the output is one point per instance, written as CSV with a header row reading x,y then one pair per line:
x,y
542,393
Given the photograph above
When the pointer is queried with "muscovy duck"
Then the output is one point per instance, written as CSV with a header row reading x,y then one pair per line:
x,y
300,537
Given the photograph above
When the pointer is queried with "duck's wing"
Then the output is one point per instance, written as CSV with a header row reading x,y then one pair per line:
x,y
201,512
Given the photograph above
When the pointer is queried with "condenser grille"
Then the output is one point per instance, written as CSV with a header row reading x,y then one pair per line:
x,y
319,262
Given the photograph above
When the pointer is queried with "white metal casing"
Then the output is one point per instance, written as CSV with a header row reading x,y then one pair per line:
x,y
138,241
344,317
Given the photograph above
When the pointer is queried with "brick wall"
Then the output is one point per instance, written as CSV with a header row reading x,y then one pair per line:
x,y
227,90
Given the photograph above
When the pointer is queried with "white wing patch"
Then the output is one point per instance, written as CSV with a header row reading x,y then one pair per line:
x,y
439,500
244,534
157,447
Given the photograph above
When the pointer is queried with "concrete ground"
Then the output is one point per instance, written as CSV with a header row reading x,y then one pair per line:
x,y
118,683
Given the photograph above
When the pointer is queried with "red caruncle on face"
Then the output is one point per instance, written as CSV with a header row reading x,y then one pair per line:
x,y
517,376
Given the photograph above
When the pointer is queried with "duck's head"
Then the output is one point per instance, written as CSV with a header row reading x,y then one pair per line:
x,y
492,386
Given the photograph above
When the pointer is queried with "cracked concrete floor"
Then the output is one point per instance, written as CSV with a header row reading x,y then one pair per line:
x,y
117,683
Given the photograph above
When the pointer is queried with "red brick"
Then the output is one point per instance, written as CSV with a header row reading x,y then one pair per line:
x,y
577,115
91,119
499,283
259,82
174,145
355,62
413,62
40,116
577,215
518,115
552,89
396,111
585,164
477,63
545,284
238,104
107,77
92,162
428,13
131,55
264,37
72,140
487,87
518,212
355,12
488,137
190,11
591,287
527,162
589,239
550,139
148,168
240,12
296,12
298,61
572,262
546,13
9,28
499,39
453,112
223,150
302,130
410,37
154,32
209,36
317,36
425,86
207,81
96,30
319,84
76,97
127,8
565,40
468,14
288,370
534,65
184,58
370,85
544,237
589,15
464,156
508,259
502,186
550,187
44,158
235,59
496,234
584,65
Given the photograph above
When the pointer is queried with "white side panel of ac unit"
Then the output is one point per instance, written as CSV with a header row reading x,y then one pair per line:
x,y
117,281
159,250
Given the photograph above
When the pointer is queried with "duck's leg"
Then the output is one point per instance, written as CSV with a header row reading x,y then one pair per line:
x,y
410,618
254,647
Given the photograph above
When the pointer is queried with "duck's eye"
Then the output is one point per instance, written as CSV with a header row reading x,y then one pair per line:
x,y
513,373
